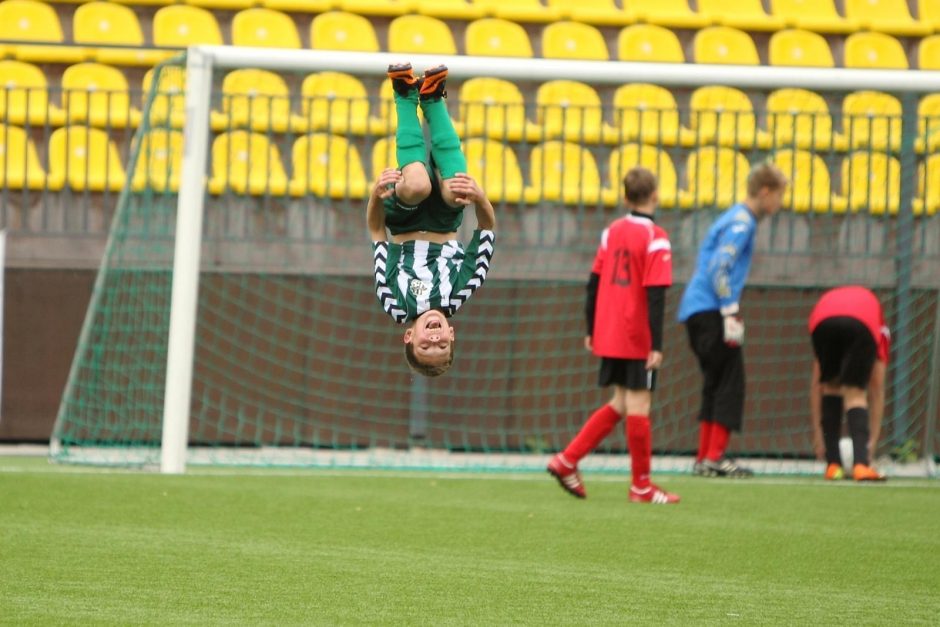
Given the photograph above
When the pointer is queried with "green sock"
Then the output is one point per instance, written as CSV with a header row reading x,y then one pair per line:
x,y
445,145
409,138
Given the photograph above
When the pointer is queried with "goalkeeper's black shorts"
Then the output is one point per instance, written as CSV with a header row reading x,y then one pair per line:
x,y
846,351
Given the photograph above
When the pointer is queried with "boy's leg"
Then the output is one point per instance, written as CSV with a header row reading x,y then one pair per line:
x,y
445,144
410,148
640,443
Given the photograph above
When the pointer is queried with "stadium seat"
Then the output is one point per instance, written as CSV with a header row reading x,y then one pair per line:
x,y
796,117
572,40
870,119
928,187
649,43
562,172
493,37
335,102
519,10
113,25
168,108
264,28
725,45
298,6
651,158
570,110
800,48
744,14
24,96
159,161
19,161
874,50
720,115
886,16
337,30
929,13
928,114
871,181
383,156
27,20
246,163
668,13
928,53
230,5
84,159
600,12
327,166
451,9
643,112
492,107
255,99
816,15
97,95
715,177
420,34
386,8
179,26
494,165
810,186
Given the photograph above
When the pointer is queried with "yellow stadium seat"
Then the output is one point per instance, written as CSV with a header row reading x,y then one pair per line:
x,y
570,110
810,186
715,177
337,30
601,12
420,34
651,158
328,166
383,156
246,163
871,181
492,107
800,48
493,37
815,15
19,162
928,187
649,43
159,161
28,20
335,102
929,13
643,112
257,99
928,114
668,13
744,14
450,9
519,10
97,95
886,16
168,107
870,119
179,26
796,117
571,40
725,45
495,167
264,28
720,115
84,159
385,121
299,6
874,50
113,25
928,53
389,8
24,96
231,5
562,172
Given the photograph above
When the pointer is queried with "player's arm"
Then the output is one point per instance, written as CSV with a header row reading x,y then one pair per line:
x,y
590,307
467,192
876,404
656,304
727,253
815,412
657,277
471,277
375,209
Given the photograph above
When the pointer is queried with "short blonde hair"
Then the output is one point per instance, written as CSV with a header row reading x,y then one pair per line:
x,y
427,369
765,175
638,185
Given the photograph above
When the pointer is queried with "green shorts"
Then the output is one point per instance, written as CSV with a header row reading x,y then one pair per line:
x,y
431,214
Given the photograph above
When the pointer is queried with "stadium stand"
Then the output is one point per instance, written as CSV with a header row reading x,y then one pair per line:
x,y
563,172
385,8
98,95
886,16
494,37
815,15
338,30
722,115
874,50
743,14
649,43
383,155
496,167
600,12
84,158
799,48
257,99
297,6
334,102
928,187
179,26
871,181
572,40
169,104
570,110
230,5
30,21
246,163
450,9
160,162
655,159
668,13
928,53
19,160
929,13
644,112
796,117
420,34
810,186
928,132
519,10
725,45
113,25
264,28
714,177
870,119
327,166
24,96
494,108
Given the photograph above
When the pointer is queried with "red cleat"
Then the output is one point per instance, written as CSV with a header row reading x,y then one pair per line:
x,y
568,476
652,494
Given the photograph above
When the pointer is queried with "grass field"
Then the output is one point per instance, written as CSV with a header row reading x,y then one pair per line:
x,y
253,547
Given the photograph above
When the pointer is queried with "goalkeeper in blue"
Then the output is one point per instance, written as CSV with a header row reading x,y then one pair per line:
x,y
711,312
423,274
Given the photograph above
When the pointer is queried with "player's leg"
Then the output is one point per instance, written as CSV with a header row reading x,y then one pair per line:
x,y
829,351
855,372
705,334
638,395
729,411
445,144
410,147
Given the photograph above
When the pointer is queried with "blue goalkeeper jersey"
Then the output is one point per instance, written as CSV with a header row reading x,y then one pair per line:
x,y
724,261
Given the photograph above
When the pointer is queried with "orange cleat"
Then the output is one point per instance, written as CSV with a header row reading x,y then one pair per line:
x,y
834,472
861,472
432,83
403,78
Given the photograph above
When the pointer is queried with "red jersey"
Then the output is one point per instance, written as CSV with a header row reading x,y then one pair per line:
x,y
855,302
634,254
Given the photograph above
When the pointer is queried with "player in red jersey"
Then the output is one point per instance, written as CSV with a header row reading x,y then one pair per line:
x,y
626,297
850,343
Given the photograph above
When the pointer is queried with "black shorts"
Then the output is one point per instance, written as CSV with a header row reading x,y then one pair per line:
x,y
628,373
846,351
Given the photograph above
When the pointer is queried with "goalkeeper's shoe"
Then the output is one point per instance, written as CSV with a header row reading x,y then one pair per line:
x,y
568,476
834,472
861,472
726,467
652,494
403,78
699,469
433,82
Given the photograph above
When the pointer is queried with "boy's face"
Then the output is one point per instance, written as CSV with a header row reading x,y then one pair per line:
x,y
770,200
431,337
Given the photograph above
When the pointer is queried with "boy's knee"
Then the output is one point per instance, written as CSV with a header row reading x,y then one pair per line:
x,y
413,189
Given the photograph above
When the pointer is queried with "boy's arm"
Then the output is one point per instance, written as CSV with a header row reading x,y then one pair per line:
x,y
876,404
727,253
380,266
815,412
479,253
467,192
375,209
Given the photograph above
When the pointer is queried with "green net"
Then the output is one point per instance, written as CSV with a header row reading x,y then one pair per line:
x,y
297,364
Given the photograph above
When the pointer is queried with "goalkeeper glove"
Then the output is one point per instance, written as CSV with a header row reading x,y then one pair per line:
x,y
733,331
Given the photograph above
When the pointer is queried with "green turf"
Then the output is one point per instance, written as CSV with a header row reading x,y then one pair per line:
x,y
338,548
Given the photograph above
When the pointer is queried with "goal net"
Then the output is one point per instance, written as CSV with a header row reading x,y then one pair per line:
x,y
234,319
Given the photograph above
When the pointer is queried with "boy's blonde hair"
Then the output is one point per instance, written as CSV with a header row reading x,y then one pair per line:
x,y
427,369
765,175
638,185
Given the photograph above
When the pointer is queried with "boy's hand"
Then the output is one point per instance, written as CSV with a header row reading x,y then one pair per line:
x,y
465,189
654,360
385,186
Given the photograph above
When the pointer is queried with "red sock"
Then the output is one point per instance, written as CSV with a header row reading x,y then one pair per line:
x,y
704,438
718,442
640,441
594,430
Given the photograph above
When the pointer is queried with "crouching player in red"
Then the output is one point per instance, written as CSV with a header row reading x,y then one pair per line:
x,y
850,345
626,297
